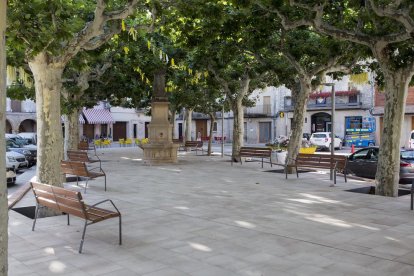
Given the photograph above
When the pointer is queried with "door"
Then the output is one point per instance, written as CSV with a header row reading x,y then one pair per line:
x,y
104,130
119,131
180,131
264,132
266,105
88,131
146,129
201,129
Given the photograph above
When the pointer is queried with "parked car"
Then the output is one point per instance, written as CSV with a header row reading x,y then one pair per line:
x,y
31,137
323,140
29,153
10,176
15,160
364,162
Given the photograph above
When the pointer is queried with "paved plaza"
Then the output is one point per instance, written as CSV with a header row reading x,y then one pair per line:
x,y
203,217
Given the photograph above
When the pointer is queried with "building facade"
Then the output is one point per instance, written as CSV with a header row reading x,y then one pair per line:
x,y
408,123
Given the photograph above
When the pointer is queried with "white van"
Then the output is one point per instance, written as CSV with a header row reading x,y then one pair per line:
x,y
411,140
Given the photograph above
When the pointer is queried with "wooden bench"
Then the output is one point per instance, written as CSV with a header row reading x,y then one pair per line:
x,y
337,163
255,152
194,145
82,156
71,203
85,146
79,169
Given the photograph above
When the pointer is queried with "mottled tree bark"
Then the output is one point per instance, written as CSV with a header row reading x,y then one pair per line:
x,y
210,136
388,170
236,103
71,130
4,215
188,124
300,98
48,85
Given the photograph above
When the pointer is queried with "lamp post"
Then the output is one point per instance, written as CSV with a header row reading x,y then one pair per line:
x,y
332,85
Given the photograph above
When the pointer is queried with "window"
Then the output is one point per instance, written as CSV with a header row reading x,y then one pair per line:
x,y
288,101
215,126
361,155
353,98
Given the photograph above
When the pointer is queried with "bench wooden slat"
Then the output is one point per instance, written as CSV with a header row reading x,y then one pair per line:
x,y
335,162
258,152
80,169
71,203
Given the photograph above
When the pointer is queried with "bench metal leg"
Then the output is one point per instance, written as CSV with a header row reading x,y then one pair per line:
x,y
37,213
120,230
68,220
83,236
297,172
334,175
262,163
86,184
105,182
286,171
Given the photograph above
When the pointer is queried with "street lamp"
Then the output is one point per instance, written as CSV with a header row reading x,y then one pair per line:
x,y
332,85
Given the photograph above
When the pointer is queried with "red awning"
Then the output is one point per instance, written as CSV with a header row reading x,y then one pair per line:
x,y
98,116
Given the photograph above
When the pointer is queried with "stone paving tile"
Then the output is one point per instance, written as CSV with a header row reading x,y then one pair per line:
x,y
204,217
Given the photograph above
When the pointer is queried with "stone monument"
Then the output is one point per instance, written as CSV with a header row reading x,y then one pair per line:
x,y
160,148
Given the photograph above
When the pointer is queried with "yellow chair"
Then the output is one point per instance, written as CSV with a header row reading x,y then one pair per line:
x,y
97,143
121,142
107,143
128,142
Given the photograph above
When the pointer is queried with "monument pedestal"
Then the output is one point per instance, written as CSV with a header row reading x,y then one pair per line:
x,y
160,148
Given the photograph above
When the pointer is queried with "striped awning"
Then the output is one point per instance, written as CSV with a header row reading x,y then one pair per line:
x,y
98,116
81,119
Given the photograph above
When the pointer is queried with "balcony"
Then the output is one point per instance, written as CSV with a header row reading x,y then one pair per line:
x,y
327,106
258,111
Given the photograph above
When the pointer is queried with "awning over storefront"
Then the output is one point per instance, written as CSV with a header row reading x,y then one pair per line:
x,y
98,116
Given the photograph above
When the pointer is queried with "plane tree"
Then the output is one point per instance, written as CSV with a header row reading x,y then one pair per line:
x,y
222,39
3,184
51,34
386,28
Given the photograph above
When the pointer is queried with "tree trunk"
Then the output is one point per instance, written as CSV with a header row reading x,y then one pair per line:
x,y
71,130
300,99
172,121
238,128
388,169
236,103
48,85
188,124
210,136
4,215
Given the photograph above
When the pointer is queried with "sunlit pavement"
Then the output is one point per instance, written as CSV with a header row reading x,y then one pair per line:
x,y
203,216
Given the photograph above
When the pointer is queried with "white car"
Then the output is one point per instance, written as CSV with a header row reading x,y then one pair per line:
x,y
10,176
323,140
15,160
